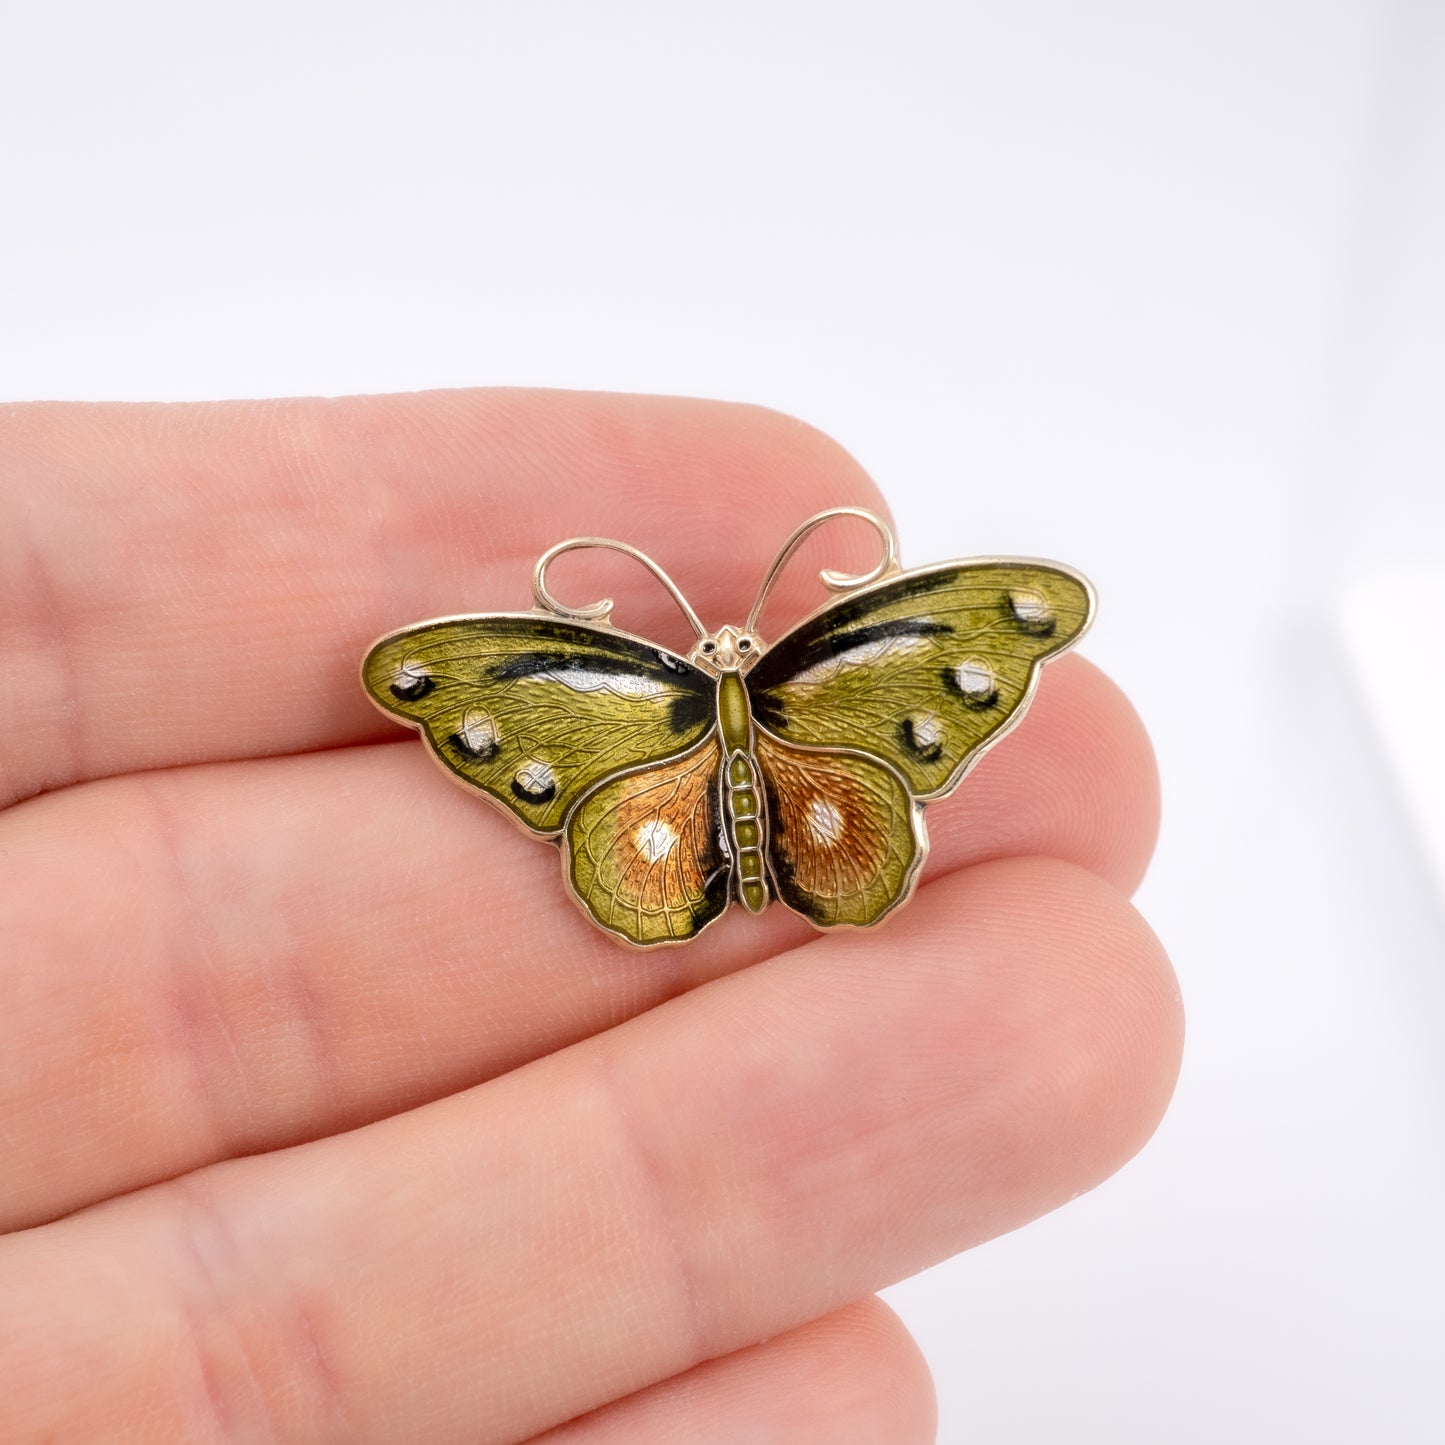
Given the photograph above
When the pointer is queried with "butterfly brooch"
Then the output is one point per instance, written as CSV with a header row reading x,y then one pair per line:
x,y
742,772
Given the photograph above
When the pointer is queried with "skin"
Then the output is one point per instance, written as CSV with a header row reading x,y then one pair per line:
x,y
326,1116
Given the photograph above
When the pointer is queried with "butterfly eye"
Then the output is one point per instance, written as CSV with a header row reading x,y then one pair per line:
x,y
744,645
709,647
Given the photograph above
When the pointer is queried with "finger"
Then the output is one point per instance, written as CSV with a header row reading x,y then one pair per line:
x,y
263,953
182,583
854,1377
721,1169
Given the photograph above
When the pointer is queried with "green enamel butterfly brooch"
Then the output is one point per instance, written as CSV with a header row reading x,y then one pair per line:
x,y
744,771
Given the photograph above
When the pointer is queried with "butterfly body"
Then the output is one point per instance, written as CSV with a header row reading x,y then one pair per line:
x,y
743,772
740,788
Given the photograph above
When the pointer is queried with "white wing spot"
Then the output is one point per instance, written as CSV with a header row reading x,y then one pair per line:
x,y
928,731
478,732
536,777
863,653
1029,606
975,681
825,822
655,840
587,679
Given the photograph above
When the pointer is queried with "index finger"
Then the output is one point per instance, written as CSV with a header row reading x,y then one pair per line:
x,y
193,583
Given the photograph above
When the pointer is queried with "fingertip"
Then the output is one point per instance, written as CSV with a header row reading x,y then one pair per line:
x,y
853,1377
871,1369
1094,1027
1077,780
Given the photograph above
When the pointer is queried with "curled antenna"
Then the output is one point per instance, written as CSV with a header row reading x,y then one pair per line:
x,y
833,581
602,611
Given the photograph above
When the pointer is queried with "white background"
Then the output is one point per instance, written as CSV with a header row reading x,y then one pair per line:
x,y
1156,288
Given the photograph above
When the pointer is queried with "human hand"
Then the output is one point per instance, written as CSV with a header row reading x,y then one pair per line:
x,y
327,1116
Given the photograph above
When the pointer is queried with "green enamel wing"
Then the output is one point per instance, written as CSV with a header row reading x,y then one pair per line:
x,y
741,772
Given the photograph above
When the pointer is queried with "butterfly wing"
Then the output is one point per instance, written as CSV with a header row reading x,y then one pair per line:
x,y
534,711
845,840
645,855
881,702
924,670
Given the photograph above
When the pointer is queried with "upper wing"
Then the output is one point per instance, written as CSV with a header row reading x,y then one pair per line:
x,y
535,711
923,669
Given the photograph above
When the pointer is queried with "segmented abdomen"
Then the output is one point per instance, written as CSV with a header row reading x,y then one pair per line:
x,y
745,832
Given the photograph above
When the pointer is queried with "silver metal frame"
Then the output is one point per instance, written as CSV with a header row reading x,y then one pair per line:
x,y
599,615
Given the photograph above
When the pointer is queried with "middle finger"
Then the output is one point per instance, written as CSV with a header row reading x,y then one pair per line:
x,y
266,952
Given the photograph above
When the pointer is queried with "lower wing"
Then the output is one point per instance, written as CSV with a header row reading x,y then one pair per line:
x,y
845,838
644,851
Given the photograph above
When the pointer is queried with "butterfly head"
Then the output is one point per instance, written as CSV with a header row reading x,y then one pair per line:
x,y
728,650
